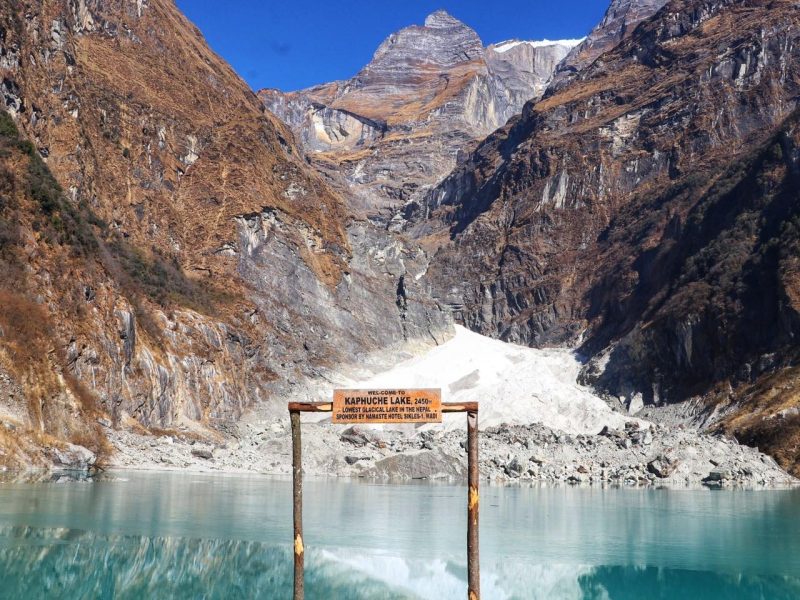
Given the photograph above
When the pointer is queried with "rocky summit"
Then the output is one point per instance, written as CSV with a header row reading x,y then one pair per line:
x,y
429,93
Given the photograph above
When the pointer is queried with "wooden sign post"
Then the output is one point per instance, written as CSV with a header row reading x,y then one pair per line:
x,y
389,406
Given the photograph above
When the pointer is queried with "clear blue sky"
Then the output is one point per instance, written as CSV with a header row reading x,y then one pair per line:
x,y
292,44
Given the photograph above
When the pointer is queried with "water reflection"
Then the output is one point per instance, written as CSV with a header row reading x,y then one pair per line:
x,y
632,583
212,536
66,563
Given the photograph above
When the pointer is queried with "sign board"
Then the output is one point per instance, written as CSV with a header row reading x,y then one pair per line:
x,y
387,406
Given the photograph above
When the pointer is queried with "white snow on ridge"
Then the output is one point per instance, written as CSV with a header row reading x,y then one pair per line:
x,y
501,47
512,384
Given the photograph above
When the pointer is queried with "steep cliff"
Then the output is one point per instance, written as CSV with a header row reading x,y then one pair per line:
x,y
713,308
619,22
644,208
182,261
429,93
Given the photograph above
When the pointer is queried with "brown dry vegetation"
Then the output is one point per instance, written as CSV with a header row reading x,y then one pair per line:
x,y
767,416
429,93
193,87
57,402
30,350
154,150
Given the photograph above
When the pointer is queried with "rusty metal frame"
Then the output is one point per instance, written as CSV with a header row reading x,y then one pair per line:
x,y
473,498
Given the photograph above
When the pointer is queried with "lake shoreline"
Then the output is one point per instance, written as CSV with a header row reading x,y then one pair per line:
x,y
645,454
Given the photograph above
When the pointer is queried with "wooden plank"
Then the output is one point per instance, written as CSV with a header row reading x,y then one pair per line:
x,y
310,407
447,407
457,407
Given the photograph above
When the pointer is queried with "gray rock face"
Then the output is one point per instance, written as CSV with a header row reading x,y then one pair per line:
x,y
443,41
520,70
73,457
620,20
429,93
382,301
318,127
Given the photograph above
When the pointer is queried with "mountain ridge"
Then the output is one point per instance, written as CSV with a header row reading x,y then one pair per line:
x,y
398,125
627,150
166,226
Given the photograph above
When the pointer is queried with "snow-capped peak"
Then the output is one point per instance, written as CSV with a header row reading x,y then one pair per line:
x,y
509,44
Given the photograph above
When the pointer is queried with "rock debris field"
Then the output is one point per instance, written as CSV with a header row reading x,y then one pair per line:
x,y
536,424
635,456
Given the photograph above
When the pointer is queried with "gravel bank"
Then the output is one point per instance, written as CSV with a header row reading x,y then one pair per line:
x,y
636,454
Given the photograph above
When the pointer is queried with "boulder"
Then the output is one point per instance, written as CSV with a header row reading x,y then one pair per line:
x,y
636,404
662,466
72,456
204,453
718,475
355,440
513,468
426,464
355,436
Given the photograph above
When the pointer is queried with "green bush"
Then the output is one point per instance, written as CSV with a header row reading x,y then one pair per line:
x,y
8,129
42,186
158,277
139,274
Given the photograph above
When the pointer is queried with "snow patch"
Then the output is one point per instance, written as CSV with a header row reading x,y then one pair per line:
x,y
509,44
512,384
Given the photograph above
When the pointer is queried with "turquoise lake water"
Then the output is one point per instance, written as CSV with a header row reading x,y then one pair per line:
x,y
162,535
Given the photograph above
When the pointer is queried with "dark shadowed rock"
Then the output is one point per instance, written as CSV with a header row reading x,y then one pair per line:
x,y
204,453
